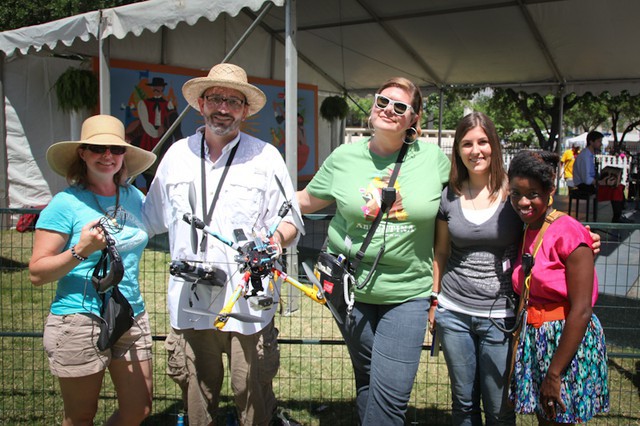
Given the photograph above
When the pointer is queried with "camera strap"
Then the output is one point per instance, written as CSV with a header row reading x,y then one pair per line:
x,y
206,216
387,200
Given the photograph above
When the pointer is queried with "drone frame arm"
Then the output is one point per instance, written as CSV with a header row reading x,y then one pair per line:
x,y
312,292
221,320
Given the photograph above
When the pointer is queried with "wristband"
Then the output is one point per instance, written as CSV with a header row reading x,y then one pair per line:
x,y
434,298
76,255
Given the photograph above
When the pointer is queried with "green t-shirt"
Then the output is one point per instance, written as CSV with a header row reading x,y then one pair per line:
x,y
353,177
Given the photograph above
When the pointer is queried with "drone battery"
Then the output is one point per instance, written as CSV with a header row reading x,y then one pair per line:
x,y
330,271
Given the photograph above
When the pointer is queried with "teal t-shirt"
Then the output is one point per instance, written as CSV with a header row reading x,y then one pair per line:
x,y
67,213
353,177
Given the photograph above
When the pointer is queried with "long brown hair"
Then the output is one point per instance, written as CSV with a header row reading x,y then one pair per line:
x,y
459,173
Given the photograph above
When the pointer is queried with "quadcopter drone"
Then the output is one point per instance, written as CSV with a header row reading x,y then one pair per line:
x,y
257,258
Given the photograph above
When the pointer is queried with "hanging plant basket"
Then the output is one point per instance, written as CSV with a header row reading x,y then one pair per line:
x,y
77,89
333,108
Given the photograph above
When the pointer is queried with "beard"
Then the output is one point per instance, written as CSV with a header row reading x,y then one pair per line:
x,y
213,123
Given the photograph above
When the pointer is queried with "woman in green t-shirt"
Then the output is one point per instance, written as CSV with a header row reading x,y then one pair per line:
x,y
386,328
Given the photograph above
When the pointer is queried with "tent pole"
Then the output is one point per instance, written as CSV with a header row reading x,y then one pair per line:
x,y
559,146
441,105
4,178
103,71
291,92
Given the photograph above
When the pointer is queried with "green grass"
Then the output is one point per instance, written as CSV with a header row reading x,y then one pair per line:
x,y
314,384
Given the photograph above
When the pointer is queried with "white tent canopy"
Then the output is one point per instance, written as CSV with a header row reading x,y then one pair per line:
x,y
581,141
353,44
342,45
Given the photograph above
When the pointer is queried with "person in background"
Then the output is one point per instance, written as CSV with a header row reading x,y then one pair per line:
x,y
242,171
567,160
585,177
67,247
477,233
561,361
386,331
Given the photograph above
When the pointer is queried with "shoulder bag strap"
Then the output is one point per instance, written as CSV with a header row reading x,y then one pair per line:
x,y
388,198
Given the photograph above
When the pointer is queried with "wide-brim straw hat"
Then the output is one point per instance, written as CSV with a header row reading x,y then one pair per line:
x,y
99,130
229,76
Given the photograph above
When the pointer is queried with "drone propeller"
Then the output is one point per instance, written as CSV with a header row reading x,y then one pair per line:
x,y
235,315
296,216
314,280
192,204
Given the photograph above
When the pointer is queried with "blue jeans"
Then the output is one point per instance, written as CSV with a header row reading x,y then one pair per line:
x,y
385,343
477,356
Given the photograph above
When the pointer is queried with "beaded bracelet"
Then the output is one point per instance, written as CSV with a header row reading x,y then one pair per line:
x,y
76,255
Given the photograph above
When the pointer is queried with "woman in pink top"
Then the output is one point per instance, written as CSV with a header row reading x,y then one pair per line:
x,y
561,362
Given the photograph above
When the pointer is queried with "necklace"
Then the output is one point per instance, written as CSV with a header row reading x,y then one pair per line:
x,y
111,217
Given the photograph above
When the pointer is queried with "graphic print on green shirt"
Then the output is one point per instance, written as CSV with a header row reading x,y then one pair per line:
x,y
350,175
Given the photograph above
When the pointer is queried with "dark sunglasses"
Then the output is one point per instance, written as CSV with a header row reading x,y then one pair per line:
x,y
101,149
399,108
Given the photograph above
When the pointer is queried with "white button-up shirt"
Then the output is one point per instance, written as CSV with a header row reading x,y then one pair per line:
x,y
249,200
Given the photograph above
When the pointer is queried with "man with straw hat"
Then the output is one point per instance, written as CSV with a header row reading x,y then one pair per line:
x,y
228,179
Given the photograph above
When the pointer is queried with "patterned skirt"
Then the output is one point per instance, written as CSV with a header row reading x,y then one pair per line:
x,y
584,389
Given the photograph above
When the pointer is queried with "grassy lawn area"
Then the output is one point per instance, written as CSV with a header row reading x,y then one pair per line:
x,y
315,382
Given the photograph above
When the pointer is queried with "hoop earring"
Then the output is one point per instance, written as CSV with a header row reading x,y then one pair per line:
x,y
411,136
369,124
550,200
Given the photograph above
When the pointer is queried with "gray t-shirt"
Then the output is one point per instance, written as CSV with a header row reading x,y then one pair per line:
x,y
478,272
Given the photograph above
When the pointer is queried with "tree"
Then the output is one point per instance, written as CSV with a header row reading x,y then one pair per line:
x,y
23,13
539,111
588,114
624,110
508,120
453,108
359,109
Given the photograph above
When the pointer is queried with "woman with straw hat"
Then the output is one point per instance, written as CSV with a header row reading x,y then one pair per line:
x,y
98,206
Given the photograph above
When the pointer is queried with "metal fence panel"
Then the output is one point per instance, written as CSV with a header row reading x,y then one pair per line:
x,y
315,381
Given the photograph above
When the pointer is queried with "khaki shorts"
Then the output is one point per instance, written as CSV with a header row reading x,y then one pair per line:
x,y
70,344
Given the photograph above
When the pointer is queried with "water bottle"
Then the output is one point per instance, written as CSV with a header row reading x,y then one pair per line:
x,y
180,420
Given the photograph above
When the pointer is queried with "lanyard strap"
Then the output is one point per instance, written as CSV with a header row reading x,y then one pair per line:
x,y
206,216
551,217
388,198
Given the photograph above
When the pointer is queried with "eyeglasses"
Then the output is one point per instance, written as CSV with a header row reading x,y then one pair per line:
x,y
232,102
399,108
101,149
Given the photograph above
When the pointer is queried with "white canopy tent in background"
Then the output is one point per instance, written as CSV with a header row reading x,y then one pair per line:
x,y
339,46
581,141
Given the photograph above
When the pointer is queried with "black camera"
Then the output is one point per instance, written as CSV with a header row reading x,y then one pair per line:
x,y
198,273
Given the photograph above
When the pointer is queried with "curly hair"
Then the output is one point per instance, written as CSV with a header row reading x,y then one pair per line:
x,y
538,165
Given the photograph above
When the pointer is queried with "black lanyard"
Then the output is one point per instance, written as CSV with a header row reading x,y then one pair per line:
x,y
206,216
388,198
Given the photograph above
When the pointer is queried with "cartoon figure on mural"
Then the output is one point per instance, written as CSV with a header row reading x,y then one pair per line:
x,y
278,136
151,113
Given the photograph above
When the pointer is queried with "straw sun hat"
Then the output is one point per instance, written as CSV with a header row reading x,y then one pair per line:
x,y
229,76
99,130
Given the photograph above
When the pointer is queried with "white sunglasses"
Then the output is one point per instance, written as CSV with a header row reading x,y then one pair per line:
x,y
399,108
